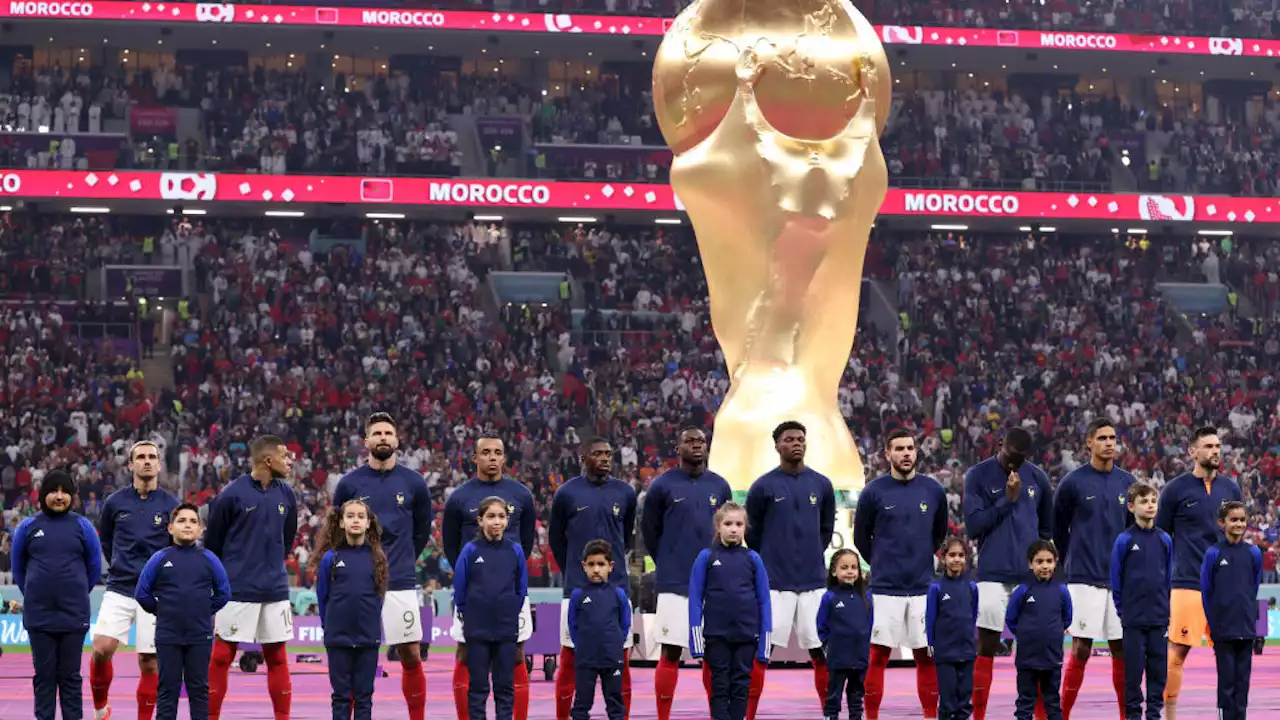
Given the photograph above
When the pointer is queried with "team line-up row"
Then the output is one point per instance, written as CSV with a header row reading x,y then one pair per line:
x,y
732,581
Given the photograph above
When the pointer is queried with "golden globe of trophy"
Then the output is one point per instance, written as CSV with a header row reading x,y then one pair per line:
x,y
773,109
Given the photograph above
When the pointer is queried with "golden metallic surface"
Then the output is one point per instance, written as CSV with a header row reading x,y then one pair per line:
x,y
773,109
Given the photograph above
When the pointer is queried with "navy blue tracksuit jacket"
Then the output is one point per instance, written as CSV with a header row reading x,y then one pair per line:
x,y
790,521
1090,509
845,617
183,586
951,619
1189,514
584,510
729,600
56,562
1142,576
350,607
677,523
1004,530
490,583
599,623
898,528
131,530
1038,616
1229,581
459,525
251,529
400,500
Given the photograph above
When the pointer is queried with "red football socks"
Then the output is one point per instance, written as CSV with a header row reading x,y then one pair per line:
x,y
820,680
1117,680
100,675
148,689
1041,713
522,692
1072,679
875,681
219,666
626,685
756,690
926,683
706,681
665,678
461,685
413,685
279,684
982,668
564,684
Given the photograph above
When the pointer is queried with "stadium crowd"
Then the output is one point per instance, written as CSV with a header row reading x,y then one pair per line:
x,y
304,336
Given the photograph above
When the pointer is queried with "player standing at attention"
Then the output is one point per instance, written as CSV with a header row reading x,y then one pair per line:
x,y
791,516
399,498
900,523
1007,506
592,506
252,525
461,526
1090,510
1189,513
678,522
134,526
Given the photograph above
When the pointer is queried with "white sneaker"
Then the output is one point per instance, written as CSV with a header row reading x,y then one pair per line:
x,y
103,714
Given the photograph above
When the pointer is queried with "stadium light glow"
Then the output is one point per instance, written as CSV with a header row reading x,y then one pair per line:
x,y
1047,228
958,228
1217,233
285,213
667,221
576,219
384,216
190,211
488,218
1137,231
90,210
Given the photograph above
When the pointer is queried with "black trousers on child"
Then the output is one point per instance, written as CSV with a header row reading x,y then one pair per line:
x,y
955,690
1146,649
1235,665
850,683
499,660
584,693
351,674
56,657
179,663
1044,683
730,664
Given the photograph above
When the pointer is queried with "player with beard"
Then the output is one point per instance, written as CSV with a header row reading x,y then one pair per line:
x,y
1008,505
252,525
592,506
791,517
400,500
134,525
1090,510
1189,513
461,526
678,523
900,523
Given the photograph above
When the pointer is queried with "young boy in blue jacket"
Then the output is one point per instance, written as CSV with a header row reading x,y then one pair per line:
x,y
1038,616
183,586
1229,580
1141,580
599,623
56,562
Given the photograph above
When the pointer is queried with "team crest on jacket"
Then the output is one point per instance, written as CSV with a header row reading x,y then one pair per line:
x,y
924,508
616,510
511,509
1120,498
813,499
399,498
158,519
280,508
713,501
1031,492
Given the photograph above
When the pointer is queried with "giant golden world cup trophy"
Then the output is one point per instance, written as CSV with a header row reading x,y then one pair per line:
x,y
773,109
